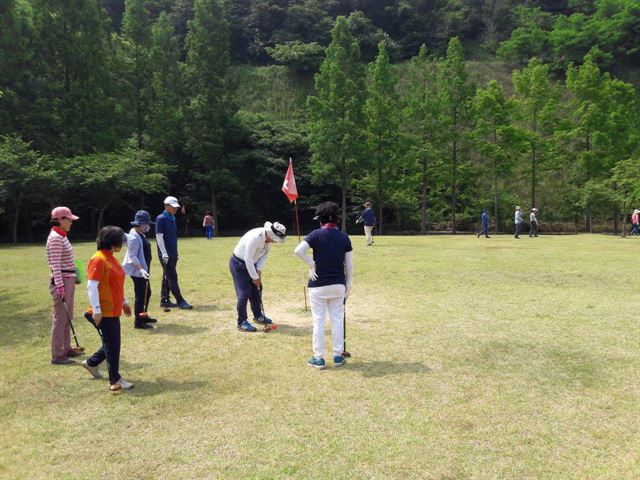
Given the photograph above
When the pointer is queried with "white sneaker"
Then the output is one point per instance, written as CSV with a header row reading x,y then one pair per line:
x,y
124,385
95,371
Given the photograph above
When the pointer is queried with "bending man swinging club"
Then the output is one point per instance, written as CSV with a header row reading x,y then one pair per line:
x,y
246,264
330,276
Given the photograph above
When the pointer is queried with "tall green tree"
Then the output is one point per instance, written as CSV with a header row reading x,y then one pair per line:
x,y
495,136
382,120
335,113
536,101
457,94
136,28
210,106
165,116
423,125
27,178
75,109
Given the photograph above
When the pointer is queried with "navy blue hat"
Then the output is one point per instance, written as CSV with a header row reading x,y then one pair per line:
x,y
142,218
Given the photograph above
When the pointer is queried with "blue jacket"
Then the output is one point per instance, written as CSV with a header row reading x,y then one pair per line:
x,y
368,217
135,255
485,218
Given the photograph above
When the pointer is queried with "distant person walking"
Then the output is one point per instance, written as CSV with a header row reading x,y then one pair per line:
x,y
137,264
246,264
330,277
167,240
369,220
107,302
485,224
207,223
518,221
635,222
62,285
533,219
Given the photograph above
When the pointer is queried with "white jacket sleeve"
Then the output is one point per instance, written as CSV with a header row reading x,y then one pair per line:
x,y
301,251
251,247
348,268
94,296
160,242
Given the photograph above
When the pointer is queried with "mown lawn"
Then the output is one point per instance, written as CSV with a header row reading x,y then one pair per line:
x,y
472,359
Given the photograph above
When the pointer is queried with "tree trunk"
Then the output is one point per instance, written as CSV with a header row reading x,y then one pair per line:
x,y
16,218
616,213
533,176
380,194
423,204
495,195
214,208
343,186
589,219
453,186
624,225
101,218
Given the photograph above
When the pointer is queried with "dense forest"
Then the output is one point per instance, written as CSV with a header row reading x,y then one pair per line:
x,y
431,109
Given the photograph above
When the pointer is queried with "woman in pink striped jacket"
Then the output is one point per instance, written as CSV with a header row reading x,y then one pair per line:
x,y
62,285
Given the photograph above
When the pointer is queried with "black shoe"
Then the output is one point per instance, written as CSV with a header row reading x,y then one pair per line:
x,y
184,305
168,304
149,320
144,326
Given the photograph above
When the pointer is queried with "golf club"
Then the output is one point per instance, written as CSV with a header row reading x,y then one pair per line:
x,y
77,348
143,313
271,326
345,353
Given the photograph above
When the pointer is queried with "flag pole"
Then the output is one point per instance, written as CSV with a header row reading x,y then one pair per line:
x,y
304,289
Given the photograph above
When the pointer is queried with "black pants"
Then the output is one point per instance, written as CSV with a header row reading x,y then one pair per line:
x,y
534,229
109,331
140,286
170,281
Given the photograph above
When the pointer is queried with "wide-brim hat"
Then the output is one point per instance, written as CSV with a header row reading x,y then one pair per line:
x,y
534,209
142,217
276,231
367,204
636,211
518,207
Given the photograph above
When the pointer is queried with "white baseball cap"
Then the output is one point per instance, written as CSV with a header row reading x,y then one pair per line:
x,y
173,201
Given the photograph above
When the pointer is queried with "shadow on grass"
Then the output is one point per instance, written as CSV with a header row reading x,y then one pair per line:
x,y
386,367
20,323
176,329
147,389
292,330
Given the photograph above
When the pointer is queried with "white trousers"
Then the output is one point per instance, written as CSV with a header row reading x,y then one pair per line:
x,y
367,232
330,297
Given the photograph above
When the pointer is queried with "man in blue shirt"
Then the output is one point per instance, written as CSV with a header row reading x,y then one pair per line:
x,y
330,275
369,220
485,224
167,240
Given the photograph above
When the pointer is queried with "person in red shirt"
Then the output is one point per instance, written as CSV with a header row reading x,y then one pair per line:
x,y
107,302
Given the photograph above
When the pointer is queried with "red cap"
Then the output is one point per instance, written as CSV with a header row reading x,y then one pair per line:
x,y
60,212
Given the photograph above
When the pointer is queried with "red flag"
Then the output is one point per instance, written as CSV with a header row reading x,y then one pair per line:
x,y
289,185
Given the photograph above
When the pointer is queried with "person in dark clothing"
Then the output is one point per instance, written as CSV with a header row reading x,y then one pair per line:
x,y
369,220
485,224
167,240
137,264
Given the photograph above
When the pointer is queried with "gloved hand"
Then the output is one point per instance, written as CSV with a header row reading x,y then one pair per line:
x,y
60,291
144,274
165,258
313,276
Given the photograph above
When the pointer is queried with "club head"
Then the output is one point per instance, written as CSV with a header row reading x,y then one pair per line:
x,y
346,354
115,388
270,327
78,349
143,315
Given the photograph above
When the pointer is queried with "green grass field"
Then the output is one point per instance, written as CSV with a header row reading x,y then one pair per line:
x,y
472,359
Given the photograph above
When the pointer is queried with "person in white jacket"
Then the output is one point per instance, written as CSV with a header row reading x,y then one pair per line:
x,y
330,278
246,265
